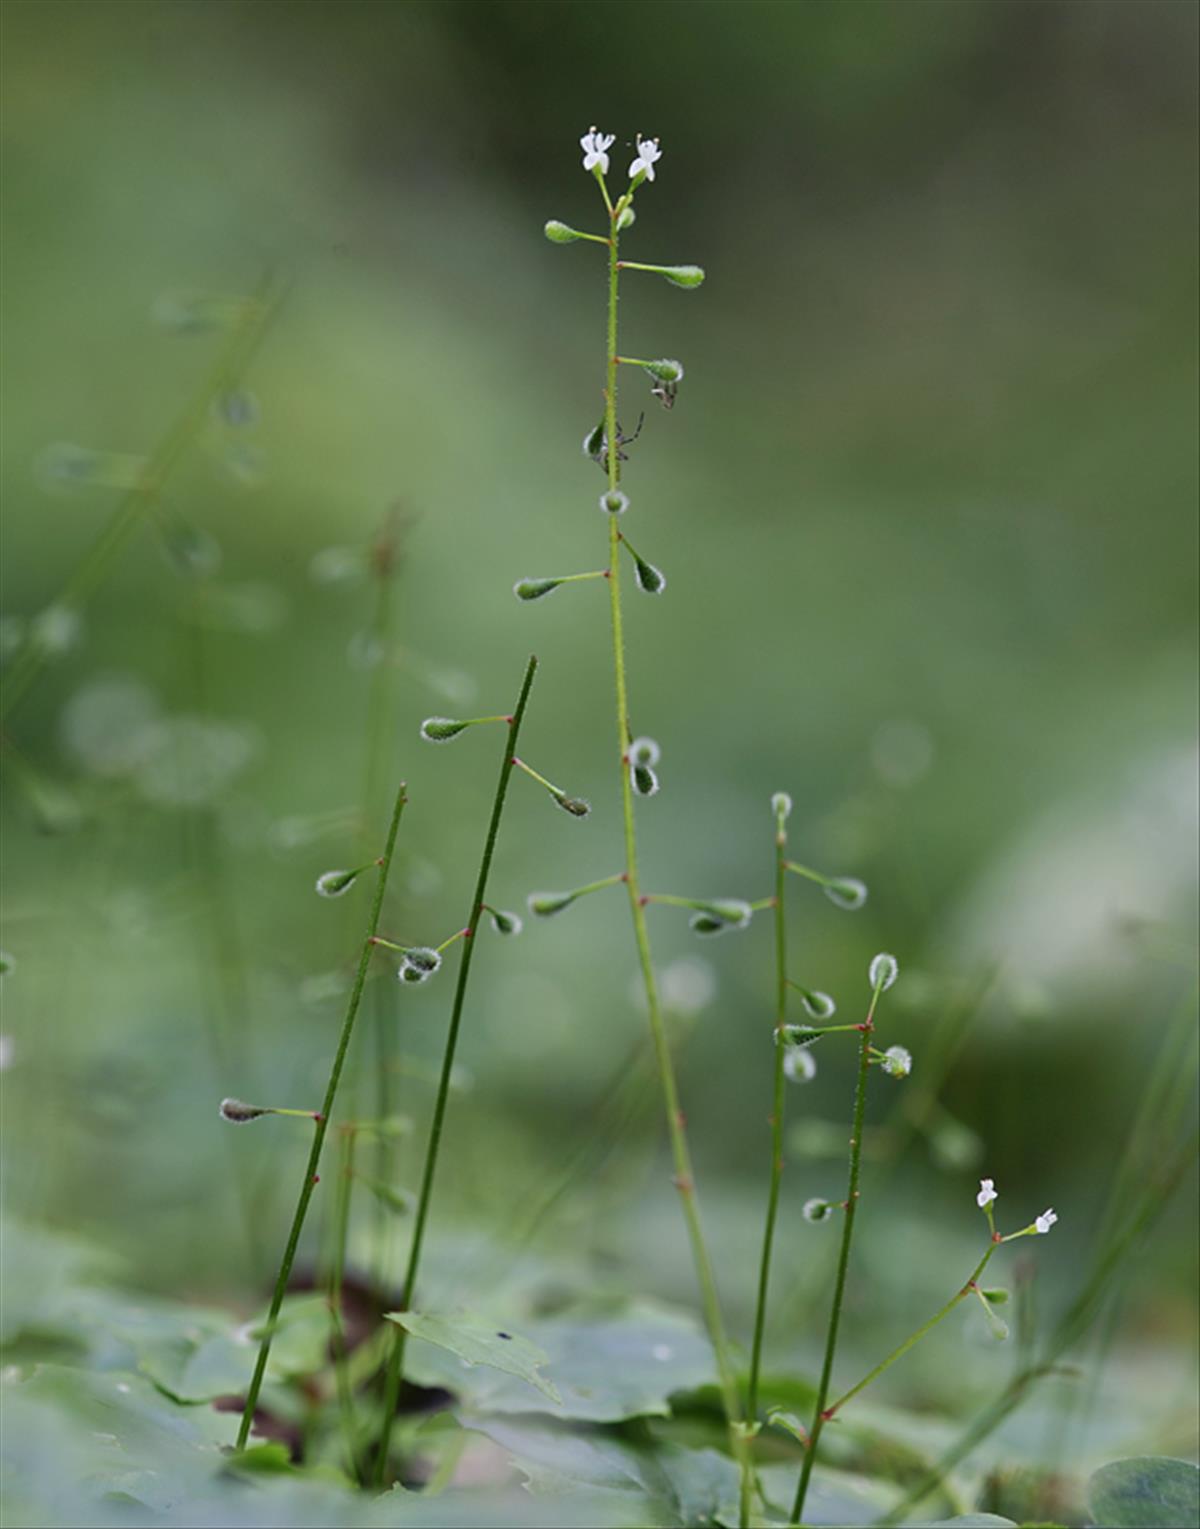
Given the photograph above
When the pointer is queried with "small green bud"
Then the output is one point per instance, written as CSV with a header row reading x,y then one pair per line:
x,y
593,441
781,806
441,729
998,1297
626,220
800,1035
534,589
644,751
883,971
419,964
334,883
817,1210
683,275
614,502
665,370
504,922
650,580
645,782
818,1004
846,892
543,904
561,233
240,1114
575,805
721,916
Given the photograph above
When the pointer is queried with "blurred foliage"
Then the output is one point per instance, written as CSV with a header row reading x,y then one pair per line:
x,y
927,508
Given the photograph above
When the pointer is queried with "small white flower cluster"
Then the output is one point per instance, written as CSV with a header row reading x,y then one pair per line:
x,y
1040,1225
595,146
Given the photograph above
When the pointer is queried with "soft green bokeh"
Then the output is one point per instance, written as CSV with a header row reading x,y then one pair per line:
x,y
927,507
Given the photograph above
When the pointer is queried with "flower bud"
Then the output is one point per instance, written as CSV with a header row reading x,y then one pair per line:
x,y
593,441
897,1061
800,1035
534,589
882,972
683,275
665,370
650,580
614,502
846,892
627,219
645,782
543,904
720,917
781,806
816,1210
441,729
644,751
334,883
504,922
561,233
577,806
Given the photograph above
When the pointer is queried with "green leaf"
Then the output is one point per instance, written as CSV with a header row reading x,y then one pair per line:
x,y
1146,1492
608,1366
477,1341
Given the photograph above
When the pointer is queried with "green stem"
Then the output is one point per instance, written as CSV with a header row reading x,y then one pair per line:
x,y
336,1280
140,499
683,1178
839,1289
777,1111
322,1125
395,1369
541,779
916,1337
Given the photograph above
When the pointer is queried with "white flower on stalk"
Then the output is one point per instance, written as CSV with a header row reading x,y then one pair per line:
x,y
799,1064
897,1061
649,154
1045,1221
987,1193
595,148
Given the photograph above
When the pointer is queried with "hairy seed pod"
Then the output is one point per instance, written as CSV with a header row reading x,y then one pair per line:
x,y
577,806
504,922
543,904
683,275
818,1004
240,1114
534,589
560,233
816,1210
883,971
645,782
644,751
614,502
665,370
650,580
441,729
334,883
846,892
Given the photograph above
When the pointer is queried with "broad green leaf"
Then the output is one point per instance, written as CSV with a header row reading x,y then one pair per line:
x,y
477,1341
1146,1492
607,1366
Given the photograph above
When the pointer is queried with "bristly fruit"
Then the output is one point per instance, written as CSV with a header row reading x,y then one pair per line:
x,y
534,589
441,729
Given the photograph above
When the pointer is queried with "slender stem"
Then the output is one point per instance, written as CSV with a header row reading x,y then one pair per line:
x,y
322,1124
533,775
780,1086
395,1369
915,1338
683,1178
140,499
336,1279
839,1289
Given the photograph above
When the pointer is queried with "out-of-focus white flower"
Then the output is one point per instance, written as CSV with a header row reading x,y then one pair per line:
x,y
648,155
595,148
799,1064
987,1193
1045,1221
816,1210
897,1061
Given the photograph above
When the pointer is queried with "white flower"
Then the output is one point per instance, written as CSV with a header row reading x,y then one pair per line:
x,y
987,1193
897,1061
649,154
595,148
1045,1221
799,1064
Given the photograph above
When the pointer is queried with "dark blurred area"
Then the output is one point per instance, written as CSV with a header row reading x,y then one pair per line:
x,y
927,506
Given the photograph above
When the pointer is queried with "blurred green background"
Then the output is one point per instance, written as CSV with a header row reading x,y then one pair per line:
x,y
927,507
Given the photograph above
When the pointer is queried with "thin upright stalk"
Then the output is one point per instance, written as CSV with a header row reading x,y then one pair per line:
x,y
395,1368
322,1124
777,1111
140,499
839,1288
683,1178
337,1277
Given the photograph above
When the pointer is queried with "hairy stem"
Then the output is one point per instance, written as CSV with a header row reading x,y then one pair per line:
x,y
322,1124
395,1367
